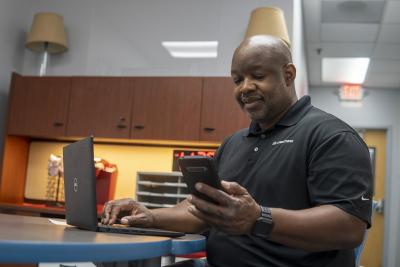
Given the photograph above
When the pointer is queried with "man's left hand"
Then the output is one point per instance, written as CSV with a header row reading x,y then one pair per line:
x,y
236,212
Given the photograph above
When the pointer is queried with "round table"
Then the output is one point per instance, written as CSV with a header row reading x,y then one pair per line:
x,y
35,239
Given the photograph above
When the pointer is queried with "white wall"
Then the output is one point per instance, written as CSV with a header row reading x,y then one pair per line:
x,y
298,50
380,110
122,37
78,17
12,36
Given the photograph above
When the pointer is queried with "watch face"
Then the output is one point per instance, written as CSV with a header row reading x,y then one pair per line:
x,y
264,224
262,228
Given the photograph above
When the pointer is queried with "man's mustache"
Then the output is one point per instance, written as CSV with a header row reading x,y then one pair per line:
x,y
247,98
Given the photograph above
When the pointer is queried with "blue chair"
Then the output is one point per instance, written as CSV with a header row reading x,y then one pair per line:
x,y
358,250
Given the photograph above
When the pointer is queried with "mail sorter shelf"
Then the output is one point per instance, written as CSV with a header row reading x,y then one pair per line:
x,y
160,189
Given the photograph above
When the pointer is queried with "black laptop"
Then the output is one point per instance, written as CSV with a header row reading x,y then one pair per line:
x,y
80,193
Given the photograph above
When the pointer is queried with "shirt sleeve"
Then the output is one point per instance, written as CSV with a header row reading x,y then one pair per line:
x,y
340,174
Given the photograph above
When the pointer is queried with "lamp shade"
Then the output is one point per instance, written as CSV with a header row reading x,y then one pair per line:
x,y
268,21
47,28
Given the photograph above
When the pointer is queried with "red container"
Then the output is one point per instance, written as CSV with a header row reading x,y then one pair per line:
x,y
105,186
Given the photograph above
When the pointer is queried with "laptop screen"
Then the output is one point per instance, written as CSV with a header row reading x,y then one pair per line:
x,y
80,192
80,184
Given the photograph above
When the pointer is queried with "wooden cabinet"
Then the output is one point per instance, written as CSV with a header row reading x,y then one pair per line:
x,y
100,106
38,106
166,108
220,114
160,108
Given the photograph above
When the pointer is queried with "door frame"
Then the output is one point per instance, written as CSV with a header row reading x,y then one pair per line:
x,y
391,223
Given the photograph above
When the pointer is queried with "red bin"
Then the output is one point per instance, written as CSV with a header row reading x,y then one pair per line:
x,y
105,185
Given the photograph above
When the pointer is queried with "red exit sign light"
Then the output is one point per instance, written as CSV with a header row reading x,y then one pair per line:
x,y
351,92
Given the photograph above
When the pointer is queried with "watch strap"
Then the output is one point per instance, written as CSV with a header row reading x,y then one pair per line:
x,y
264,224
265,214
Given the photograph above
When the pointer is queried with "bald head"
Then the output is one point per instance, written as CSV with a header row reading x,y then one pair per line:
x,y
267,45
264,75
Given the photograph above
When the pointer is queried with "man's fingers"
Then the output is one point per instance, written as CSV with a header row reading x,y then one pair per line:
x,y
210,208
233,188
106,213
209,219
137,220
217,195
115,210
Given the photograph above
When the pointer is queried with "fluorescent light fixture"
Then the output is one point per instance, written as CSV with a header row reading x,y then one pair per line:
x,y
198,49
344,70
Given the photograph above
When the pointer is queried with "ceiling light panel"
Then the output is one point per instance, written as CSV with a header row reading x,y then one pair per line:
x,y
197,49
344,70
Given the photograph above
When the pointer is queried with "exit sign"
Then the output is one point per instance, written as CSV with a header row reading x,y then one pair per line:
x,y
351,92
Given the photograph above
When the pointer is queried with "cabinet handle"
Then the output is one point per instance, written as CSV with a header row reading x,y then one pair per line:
x,y
139,127
209,129
58,124
121,126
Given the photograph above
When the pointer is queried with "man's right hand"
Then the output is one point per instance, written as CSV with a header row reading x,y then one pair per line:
x,y
128,211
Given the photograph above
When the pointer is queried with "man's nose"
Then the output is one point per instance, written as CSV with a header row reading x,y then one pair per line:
x,y
247,86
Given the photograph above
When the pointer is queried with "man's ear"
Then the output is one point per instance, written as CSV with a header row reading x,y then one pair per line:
x,y
289,73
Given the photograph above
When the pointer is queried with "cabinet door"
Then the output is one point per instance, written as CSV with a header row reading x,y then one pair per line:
x,y
166,108
38,106
220,113
100,106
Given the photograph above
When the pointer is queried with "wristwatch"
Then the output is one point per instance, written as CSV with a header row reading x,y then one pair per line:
x,y
264,224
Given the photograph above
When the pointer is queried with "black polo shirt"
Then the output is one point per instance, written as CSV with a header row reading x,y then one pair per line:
x,y
309,158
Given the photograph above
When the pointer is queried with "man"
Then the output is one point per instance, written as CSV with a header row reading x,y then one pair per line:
x,y
297,182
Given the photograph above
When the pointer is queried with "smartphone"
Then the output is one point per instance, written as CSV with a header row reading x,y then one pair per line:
x,y
199,169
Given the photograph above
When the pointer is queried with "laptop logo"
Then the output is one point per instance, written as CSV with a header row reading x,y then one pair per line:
x,y
75,184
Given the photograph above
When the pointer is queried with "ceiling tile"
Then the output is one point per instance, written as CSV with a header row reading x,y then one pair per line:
x,y
389,33
352,11
349,32
333,49
391,14
376,35
384,65
386,51
383,80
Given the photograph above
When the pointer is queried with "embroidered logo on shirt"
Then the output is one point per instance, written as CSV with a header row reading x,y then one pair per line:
x,y
363,198
282,142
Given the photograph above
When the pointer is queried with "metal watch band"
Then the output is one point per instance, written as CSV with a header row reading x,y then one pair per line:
x,y
264,224
266,214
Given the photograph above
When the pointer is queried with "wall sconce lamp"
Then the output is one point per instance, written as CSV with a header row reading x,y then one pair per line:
x,y
268,21
47,35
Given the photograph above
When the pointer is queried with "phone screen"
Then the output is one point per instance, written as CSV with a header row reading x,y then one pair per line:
x,y
199,169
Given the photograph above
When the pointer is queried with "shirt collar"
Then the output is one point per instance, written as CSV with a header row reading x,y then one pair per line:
x,y
291,117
